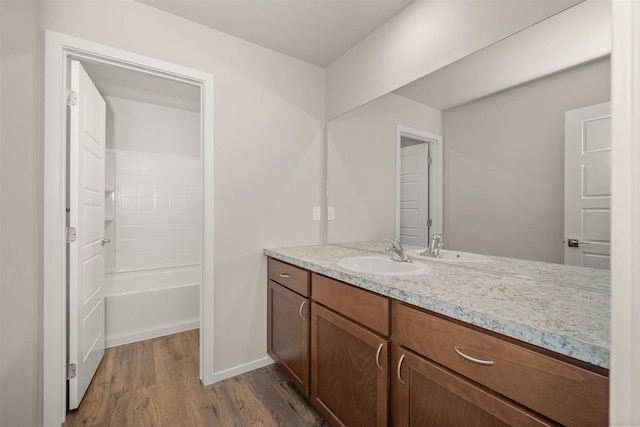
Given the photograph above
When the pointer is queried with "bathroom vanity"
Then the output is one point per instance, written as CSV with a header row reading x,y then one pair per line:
x,y
454,346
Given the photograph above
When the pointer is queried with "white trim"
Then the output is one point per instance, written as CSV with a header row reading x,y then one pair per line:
x,y
435,174
146,335
243,368
625,216
59,49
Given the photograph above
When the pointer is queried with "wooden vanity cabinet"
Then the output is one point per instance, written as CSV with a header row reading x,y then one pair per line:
x,y
349,354
424,394
560,391
365,360
288,321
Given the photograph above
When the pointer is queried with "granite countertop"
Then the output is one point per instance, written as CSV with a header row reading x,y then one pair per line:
x,y
560,308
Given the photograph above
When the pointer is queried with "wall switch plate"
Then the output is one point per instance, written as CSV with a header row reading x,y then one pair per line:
x,y
331,213
316,213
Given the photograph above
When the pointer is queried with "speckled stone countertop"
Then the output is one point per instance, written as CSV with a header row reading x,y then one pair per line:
x,y
554,311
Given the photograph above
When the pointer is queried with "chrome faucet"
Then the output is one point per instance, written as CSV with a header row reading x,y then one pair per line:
x,y
396,248
434,247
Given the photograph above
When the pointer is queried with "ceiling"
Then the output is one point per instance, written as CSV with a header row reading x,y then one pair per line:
x,y
136,86
314,31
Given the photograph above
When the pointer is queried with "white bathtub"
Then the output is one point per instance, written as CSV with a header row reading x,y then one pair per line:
x,y
152,303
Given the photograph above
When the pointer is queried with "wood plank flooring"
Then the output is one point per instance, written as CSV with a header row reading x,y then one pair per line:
x,y
155,383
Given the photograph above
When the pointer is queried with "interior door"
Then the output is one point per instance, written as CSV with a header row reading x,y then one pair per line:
x,y
86,254
587,198
414,192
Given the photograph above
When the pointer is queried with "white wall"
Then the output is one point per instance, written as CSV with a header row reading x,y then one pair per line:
x,y
158,206
426,36
504,165
20,217
362,165
150,128
156,183
625,240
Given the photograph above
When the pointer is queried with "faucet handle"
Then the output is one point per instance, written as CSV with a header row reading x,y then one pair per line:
x,y
395,242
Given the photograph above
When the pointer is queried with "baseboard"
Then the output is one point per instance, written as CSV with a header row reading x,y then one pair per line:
x,y
141,336
241,369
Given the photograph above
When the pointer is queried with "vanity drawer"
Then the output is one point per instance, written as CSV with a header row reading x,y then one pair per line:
x,y
563,392
364,307
294,278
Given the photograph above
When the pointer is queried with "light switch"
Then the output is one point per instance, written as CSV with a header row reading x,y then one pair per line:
x,y
316,213
331,213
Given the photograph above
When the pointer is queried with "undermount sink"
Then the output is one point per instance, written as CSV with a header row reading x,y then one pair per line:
x,y
449,256
383,266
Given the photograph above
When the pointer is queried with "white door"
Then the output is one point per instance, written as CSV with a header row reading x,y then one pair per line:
x,y
86,254
414,192
587,176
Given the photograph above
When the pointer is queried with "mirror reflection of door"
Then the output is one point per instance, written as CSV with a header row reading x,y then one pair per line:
x,y
587,208
414,192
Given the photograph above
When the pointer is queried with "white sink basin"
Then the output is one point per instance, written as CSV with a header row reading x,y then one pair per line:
x,y
449,256
383,266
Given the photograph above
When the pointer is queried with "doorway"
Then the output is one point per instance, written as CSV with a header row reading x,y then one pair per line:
x,y
60,51
418,185
134,204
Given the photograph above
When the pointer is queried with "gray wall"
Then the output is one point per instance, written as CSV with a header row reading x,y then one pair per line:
x,y
504,165
361,163
20,217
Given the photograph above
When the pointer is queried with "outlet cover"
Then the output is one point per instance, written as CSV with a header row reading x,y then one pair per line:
x,y
316,213
331,213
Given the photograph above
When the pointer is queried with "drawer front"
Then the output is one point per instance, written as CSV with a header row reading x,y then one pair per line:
x,y
364,307
294,278
565,393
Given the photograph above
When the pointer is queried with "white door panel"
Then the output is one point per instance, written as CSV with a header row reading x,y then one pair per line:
x,y
588,186
86,254
414,194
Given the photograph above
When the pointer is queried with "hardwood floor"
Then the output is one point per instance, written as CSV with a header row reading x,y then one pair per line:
x,y
155,383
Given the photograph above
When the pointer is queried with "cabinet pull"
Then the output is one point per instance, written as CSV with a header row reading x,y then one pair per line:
x,y
378,357
473,359
399,367
300,310
285,275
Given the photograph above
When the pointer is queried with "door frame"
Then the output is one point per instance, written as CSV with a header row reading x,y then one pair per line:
x,y
435,174
59,50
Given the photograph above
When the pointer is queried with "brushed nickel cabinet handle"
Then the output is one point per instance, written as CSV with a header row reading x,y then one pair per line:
x,y
285,275
300,310
400,367
378,357
473,359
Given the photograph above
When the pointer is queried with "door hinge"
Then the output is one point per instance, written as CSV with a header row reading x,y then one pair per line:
x,y
429,223
72,98
70,234
71,371
429,160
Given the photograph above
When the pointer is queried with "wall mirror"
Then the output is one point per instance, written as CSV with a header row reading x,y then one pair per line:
x,y
497,174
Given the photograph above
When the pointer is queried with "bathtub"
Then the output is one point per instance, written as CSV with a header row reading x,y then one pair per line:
x,y
151,303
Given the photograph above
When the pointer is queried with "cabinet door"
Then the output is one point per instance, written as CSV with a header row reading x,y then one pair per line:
x,y
349,371
288,334
424,394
